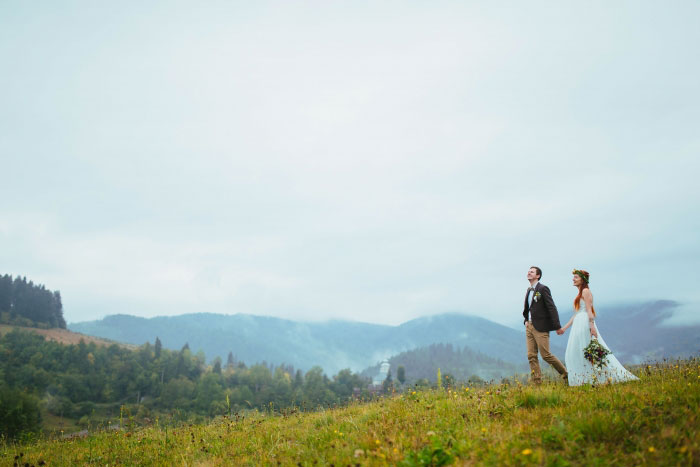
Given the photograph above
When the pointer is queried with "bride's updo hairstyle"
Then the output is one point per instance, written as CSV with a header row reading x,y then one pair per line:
x,y
585,277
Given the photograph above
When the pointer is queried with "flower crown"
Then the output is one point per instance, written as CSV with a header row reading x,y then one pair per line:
x,y
582,274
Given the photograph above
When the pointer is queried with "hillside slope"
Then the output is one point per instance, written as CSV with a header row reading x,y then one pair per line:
x,y
64,336
652,422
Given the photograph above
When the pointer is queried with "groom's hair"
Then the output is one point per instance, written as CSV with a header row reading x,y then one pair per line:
x,y
539,271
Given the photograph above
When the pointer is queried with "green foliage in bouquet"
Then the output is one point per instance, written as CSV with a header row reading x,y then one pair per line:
x,y
595,353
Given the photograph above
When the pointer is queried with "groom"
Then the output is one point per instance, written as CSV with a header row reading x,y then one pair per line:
x,y
540,317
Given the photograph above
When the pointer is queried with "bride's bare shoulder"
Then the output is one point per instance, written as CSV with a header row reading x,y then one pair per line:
x,y
587,293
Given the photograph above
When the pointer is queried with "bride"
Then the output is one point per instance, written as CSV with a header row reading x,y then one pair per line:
x,y
583,329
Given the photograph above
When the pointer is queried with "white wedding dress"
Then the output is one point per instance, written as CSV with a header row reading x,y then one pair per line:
x,y
581,371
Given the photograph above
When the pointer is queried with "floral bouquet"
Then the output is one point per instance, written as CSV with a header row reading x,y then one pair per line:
x,y
595,353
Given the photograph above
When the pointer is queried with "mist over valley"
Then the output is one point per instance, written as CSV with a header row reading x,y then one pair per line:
x,y
637,332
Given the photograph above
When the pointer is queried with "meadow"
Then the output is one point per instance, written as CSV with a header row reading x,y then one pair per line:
x,y
654,421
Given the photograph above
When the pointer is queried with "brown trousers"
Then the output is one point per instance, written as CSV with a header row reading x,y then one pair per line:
x,y
537,340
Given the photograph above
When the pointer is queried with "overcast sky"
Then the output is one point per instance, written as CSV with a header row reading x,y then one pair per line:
x,y
371,161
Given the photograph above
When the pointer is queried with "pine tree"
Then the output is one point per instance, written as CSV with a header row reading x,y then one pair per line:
x,y
5,292
401,374
388,383
159,347
32,304
58,310
298,379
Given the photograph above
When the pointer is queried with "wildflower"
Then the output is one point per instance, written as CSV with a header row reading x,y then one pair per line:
x,y
651,449
483,430
377,442
430,433
526,452
467,389
413,393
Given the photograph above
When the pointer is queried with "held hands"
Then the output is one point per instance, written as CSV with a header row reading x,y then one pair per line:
x,y
561,331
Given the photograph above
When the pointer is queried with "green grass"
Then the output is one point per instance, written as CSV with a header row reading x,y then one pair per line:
x,y
654,421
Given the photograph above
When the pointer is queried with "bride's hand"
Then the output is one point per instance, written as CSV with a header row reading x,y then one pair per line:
x,y
594,333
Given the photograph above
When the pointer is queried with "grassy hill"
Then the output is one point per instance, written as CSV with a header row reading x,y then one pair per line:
x,y
654,421
63,336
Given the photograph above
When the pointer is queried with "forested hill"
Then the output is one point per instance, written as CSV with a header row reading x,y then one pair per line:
x,y
24,303
93,383
459,364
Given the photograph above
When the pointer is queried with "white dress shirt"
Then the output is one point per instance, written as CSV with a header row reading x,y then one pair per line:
x,y
531,293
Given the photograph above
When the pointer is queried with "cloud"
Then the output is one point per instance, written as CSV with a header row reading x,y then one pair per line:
x,y
348,161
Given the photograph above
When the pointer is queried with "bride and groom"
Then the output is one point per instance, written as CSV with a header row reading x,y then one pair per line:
x,y
541,317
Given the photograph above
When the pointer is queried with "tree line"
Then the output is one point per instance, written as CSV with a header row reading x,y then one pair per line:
x,y
24,303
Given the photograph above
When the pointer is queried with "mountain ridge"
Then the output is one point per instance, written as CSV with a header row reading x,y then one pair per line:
x,y
634,331
333,345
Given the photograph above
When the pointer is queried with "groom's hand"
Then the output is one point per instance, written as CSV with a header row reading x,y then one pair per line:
x,y
560,331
